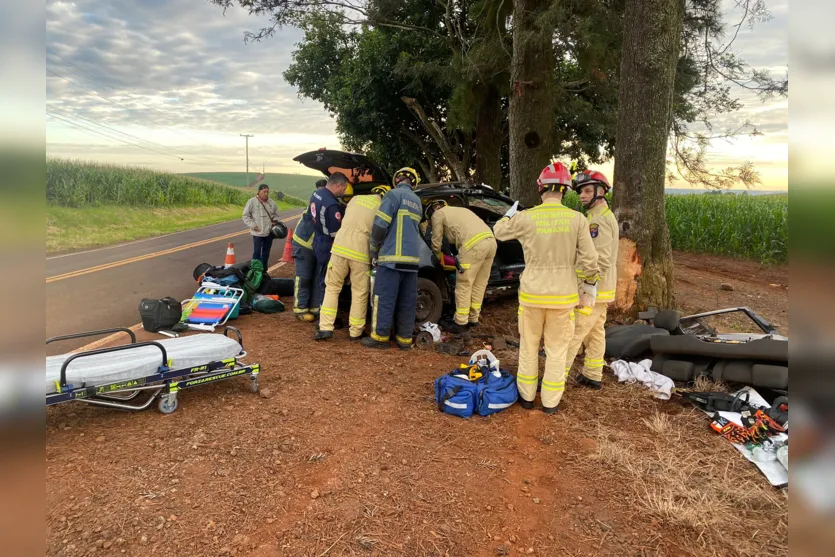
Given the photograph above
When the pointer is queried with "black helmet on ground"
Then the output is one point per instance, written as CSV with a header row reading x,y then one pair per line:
x,y
200,271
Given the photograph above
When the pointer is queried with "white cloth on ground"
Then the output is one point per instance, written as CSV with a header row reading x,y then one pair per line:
x,y
631,372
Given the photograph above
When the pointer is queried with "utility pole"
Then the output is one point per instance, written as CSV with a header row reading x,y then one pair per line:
x,y
247,136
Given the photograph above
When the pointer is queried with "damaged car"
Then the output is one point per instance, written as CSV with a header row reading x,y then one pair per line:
x,y
436,279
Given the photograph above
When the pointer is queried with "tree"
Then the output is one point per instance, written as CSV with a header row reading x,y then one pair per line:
x,y
532,101
354,75
708,74
650,56
457,54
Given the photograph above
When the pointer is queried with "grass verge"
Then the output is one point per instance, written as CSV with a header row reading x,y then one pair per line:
x,y
87,227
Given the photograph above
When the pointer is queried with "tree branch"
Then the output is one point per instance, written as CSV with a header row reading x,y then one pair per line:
x,y
431,172
435,132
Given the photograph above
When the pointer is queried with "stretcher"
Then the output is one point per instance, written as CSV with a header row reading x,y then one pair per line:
x,y
118,376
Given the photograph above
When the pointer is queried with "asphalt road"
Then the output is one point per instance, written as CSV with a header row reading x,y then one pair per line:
x,y
101,288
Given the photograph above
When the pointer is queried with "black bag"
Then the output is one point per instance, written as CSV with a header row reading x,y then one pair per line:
x,y
160,314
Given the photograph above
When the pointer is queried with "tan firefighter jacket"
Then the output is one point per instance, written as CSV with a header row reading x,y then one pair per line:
x,y
556,242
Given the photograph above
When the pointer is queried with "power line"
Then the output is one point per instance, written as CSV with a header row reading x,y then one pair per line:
x,y
70,114
82,75
88,90
103,134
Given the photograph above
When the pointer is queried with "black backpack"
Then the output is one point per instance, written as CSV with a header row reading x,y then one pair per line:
x,y
160,314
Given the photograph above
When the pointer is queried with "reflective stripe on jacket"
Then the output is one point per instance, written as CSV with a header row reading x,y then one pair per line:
x,y
395,237
603,229
460,226
555,241
354,235
327,217
304,232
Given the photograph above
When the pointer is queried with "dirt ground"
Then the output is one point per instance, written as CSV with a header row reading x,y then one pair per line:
x,y
344,453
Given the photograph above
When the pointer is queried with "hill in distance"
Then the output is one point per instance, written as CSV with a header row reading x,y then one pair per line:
x,y
300,186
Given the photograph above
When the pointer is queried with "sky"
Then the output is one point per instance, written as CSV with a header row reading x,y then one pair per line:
x,y
177,74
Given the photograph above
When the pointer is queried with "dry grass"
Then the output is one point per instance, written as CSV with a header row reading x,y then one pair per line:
x,y
678,478
661,425
706,384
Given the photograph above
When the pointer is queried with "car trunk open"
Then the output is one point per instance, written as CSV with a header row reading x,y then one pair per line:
x,y
363,173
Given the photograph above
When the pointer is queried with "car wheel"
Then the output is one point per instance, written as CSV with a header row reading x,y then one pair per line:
x,y
429,302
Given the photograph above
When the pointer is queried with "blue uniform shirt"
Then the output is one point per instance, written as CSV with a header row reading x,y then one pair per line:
x,y
304,233
327,218
395,238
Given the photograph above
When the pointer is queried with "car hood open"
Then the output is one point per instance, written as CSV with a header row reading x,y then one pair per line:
x,y
363,173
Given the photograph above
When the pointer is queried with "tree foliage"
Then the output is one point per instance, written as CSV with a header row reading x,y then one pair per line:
x,y
363,58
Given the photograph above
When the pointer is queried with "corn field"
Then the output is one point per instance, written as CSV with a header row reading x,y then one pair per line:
x,y
72,183
742,226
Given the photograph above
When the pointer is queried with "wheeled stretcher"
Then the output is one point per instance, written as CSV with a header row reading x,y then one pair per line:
x,y
116,377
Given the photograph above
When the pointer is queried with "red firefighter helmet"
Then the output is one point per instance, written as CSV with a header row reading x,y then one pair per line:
x,y
590,177
554,177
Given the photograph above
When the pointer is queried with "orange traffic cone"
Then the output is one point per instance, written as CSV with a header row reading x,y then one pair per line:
x,y
287,256
230,256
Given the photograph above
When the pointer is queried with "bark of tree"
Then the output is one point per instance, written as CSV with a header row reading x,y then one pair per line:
x,y
532,99
652,35
488,138
435,132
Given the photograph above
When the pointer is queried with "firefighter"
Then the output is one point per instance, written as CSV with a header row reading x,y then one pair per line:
x,y
326,212
555,241
305,306
476,248
590,320
395,244
349,256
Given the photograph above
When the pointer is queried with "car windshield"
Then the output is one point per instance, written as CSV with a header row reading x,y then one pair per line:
x,y
492,204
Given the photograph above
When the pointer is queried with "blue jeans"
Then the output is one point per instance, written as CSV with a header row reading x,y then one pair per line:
x,y
261,249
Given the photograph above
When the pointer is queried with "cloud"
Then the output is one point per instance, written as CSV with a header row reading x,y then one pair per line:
x,y
179,74
157,65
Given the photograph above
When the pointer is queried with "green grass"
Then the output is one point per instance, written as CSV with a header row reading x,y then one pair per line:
x,y
92,204
300,186
741,226
72,183
88,227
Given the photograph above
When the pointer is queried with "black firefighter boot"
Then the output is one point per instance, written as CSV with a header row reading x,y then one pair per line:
x,y
323,335
371,343
590,383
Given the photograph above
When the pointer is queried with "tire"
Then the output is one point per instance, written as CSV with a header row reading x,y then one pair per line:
x,y
430,304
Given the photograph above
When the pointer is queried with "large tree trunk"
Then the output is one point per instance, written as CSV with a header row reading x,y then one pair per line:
x,y
652,35
532,99
488,138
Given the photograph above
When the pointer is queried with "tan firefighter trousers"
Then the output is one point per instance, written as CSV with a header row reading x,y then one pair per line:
x,y
557,328
589,329
338,269
472,283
